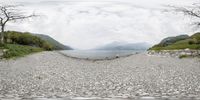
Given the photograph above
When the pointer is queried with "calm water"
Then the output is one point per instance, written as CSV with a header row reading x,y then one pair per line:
x,y
99,54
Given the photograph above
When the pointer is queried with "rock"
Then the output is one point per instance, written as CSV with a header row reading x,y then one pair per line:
x,y
9,96
175,53
145,94
147,98
1,96
187,49
117,56
129,89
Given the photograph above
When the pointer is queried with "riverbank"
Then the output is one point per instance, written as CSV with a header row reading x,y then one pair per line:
x,y
175,53
50,74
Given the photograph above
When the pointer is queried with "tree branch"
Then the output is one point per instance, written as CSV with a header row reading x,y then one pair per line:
x,y
21,17
10,13
193,11
1,21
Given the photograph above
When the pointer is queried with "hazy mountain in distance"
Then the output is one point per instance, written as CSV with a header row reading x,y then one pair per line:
x,y
125,46
56,45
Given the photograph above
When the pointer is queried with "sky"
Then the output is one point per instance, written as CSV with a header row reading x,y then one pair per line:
x,y
86,24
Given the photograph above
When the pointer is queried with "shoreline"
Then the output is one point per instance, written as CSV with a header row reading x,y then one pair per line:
x,y
175,53
105,59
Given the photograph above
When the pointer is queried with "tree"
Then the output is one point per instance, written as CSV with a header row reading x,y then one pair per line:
x,y
10,13
192,11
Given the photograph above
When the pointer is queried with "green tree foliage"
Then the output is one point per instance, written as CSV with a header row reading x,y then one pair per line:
x,y
196,37
12,37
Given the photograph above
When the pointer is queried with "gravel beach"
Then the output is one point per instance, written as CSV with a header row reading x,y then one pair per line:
x,y
52,75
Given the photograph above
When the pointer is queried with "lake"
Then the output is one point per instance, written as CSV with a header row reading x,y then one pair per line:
x,y
99,54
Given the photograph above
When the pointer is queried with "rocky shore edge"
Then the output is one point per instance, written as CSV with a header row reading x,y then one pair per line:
x,y
100,59
175,53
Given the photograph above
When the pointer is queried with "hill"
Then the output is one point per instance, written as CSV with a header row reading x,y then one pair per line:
x,y
124,46
56,45
13,37
19,44
179,42
171,40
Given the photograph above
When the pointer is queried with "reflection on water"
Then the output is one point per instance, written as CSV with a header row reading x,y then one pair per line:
x,y
99,54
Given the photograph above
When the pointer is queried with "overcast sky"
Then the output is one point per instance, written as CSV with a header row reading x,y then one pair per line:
x,y
86,24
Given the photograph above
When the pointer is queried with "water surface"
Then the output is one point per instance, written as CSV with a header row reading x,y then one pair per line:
x,y
99,54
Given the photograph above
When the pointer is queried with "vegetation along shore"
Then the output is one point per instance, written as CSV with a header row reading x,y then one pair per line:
x,y
179,46
18,44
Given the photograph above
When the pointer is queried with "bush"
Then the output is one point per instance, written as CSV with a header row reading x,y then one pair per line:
x,y
26,38
47,46
191,42
2,45
196,36
183,56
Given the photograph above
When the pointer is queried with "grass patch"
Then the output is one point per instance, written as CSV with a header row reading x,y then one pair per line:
x,y
14,50
193,43
183,44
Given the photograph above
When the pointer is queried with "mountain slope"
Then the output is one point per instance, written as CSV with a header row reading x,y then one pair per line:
x,y
56,44
171,40
124,46
192,42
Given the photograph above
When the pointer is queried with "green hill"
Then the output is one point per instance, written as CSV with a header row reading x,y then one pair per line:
x,y
179,42
19,44
56,45
13,37
171,40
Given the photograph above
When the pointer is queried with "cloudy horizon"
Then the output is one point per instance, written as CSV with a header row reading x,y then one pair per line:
x,y
85,24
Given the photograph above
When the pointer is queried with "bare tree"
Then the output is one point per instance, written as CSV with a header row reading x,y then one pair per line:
x,y
192,11
10,13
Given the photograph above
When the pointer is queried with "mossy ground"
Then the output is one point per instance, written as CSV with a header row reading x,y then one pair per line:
x,y
16,50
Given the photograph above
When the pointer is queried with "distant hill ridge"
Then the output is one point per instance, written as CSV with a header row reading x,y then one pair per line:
x,y
124,46
19,44
179,42
56,44
171,40
37,40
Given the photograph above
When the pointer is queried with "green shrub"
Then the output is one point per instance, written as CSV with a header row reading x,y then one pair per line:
x,y
26,38
2,45
196,36
183,56
47,46
14,50
191,42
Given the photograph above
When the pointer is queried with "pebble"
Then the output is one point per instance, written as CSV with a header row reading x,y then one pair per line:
x,y
133,76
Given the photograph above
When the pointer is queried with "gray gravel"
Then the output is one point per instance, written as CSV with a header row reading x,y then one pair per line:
x,y
52,75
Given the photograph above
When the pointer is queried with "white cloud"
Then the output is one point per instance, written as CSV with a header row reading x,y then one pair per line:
x,y
85,25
